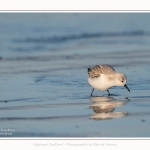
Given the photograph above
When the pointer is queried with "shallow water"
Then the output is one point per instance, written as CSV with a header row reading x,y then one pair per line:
x,y
43,76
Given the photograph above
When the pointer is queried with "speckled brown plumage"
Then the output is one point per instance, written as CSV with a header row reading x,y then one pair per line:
x,y
100,69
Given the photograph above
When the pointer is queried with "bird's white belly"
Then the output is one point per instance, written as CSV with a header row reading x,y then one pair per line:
x,y
100,83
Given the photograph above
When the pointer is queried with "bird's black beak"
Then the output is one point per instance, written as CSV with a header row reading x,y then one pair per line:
x,y
126,87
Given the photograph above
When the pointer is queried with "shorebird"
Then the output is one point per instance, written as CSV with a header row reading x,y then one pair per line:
x,y
104,77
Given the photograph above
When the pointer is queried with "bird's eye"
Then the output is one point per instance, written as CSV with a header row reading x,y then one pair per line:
x,y
122,81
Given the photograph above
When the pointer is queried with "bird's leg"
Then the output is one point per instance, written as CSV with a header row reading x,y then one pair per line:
x,y
92,91
108,93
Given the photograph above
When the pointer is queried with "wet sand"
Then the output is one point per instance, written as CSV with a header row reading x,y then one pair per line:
x,y
43,74
48,95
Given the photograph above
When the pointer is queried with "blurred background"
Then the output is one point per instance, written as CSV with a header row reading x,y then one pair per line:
x,y
26,34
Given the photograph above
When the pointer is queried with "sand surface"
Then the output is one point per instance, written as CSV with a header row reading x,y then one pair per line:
x,y
46,94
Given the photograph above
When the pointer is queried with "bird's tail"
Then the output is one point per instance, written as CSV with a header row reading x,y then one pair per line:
x,y
89,70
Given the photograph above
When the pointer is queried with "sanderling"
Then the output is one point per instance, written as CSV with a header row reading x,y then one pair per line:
x,y
104,77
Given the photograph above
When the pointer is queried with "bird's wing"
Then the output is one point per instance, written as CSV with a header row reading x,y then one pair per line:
x,y
108,67
100,69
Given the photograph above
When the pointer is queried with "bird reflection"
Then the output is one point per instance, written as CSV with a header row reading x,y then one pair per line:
x,y
105,116
97,99
104,107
